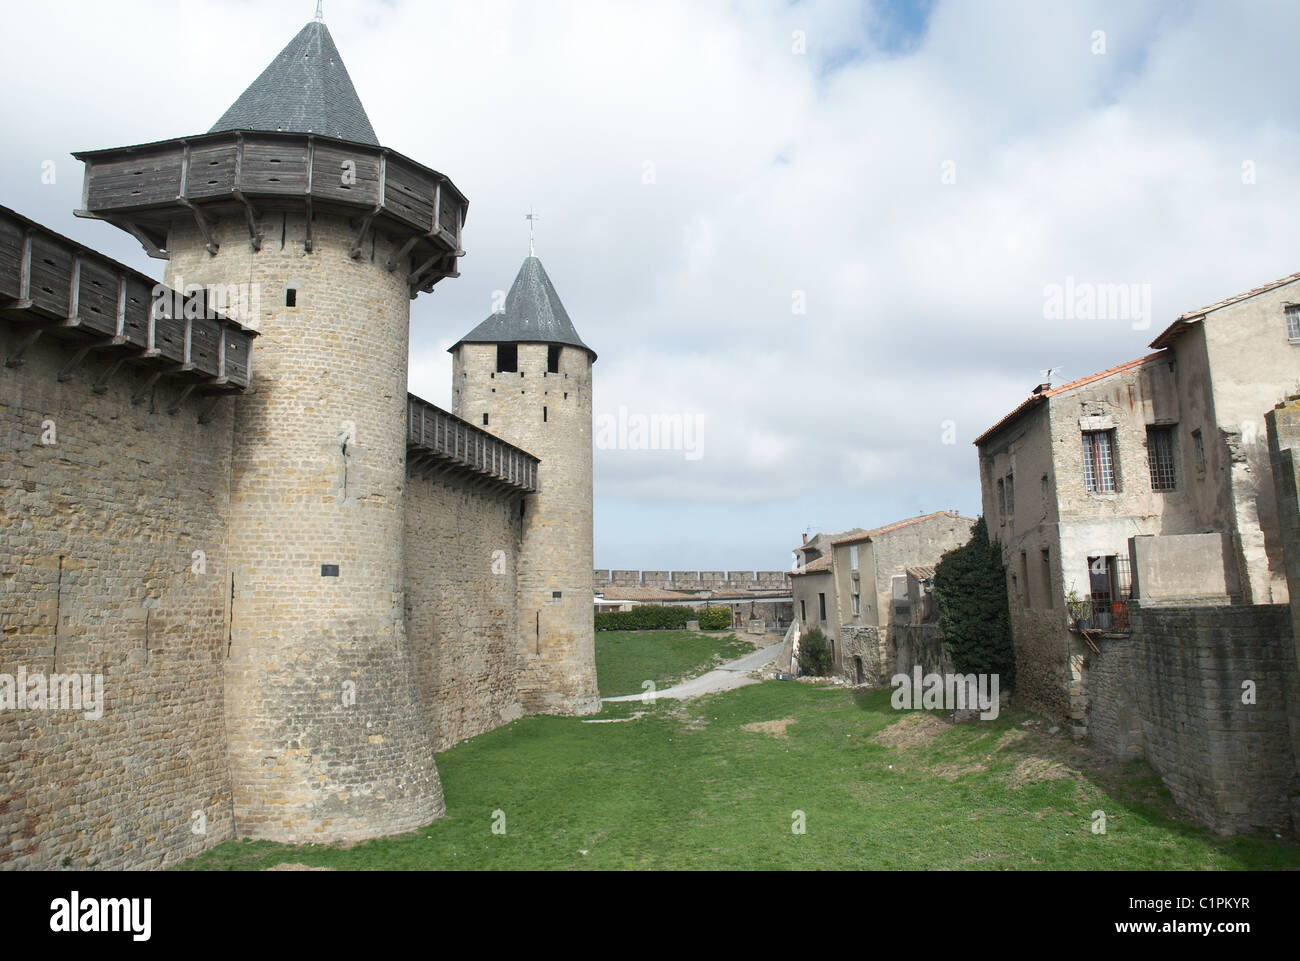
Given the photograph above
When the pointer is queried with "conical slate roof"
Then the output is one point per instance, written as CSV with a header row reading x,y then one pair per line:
x,y
533,314
306,89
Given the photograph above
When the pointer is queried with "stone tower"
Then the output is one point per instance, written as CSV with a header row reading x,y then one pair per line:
x,y
525,375
291,199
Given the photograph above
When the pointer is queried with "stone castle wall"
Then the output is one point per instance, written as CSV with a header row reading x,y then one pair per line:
x,y
98,575
461,569
1173,692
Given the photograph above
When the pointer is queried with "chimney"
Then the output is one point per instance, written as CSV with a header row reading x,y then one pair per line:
x,y
805,538
1041,389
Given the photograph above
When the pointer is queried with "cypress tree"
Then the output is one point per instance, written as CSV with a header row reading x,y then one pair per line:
x,y
970,590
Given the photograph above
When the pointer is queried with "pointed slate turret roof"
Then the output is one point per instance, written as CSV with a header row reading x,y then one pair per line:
x,y
306,89
533,314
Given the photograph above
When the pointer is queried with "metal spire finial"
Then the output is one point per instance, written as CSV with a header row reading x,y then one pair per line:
x,y
320,11
532,219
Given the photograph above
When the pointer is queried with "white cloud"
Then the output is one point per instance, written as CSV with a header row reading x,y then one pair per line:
x,y
771,175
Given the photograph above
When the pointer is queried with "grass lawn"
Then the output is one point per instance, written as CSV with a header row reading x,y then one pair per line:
x,y
716,782
627,659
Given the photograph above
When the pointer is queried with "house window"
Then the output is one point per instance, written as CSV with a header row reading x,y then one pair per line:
x,y
1024,572
553,359
1293,323
857,604
1160,456
822,599
902,602
507,358
1099,461
1002,501
1101,584
1199,441
1011,495
803,611
485,420
853,557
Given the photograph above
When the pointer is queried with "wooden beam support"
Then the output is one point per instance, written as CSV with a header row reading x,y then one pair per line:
x,y
250,212
206,416
15,359
395,261
147,386
66,371
208,241
150,248
101,385
189,388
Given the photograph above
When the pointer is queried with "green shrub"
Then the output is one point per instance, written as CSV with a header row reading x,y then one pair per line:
x,y
645,617
715,618
814,654
970,589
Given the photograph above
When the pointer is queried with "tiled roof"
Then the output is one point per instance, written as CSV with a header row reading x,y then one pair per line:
x,y
829,538
819,566
921,573
1168,335
533,314
897,525
306,89
1036,399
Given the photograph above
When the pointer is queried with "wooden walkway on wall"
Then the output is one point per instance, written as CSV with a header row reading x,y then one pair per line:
x,y
50,284
439,440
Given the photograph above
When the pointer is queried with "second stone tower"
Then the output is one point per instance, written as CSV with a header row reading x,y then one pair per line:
x,y
525,375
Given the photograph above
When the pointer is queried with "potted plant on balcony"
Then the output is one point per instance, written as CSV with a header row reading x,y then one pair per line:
x,y
1080,609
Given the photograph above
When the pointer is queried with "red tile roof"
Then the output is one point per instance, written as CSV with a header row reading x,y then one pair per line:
x,y
819,566
1036,399
1182,323
897,525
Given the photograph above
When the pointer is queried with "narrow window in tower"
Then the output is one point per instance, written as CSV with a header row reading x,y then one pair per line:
x,y
291,297
485,420
553,359
507,358
543,415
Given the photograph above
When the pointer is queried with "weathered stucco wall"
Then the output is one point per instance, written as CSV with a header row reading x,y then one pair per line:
x,y
461,569
98,575
1251,367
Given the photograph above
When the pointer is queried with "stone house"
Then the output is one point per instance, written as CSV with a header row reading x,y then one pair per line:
x,y
1153,471
856,589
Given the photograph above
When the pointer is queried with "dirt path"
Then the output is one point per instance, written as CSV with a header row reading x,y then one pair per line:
x,y
730,675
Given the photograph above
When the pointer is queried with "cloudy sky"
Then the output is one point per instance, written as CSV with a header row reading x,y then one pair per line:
x,y
821,230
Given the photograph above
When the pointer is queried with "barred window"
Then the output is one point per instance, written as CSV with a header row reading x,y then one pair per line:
x,y
1099,461
1293,322
1160,456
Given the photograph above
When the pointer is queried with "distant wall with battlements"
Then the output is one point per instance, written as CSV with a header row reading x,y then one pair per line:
x,y
741,580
